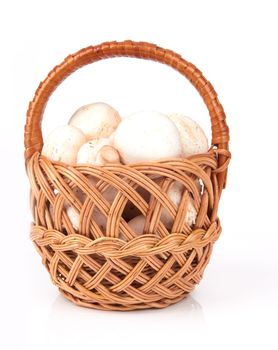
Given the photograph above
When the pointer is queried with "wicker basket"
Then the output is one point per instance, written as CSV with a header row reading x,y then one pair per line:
x,y
118,270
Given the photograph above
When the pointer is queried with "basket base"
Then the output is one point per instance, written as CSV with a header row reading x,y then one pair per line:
x,y
122,281
95,305
108,301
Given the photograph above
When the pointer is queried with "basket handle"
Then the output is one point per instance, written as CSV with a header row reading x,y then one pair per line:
x,y
220,132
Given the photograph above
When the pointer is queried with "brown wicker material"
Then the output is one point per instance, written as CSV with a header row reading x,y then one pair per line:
x,y
118,270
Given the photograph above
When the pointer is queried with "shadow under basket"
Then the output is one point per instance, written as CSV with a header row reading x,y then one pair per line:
x,y
106,265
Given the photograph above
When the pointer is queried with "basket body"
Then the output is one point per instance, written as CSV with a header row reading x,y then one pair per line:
x,y
120,270
107,266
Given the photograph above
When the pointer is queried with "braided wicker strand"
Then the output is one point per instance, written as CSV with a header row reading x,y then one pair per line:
x,y
115,269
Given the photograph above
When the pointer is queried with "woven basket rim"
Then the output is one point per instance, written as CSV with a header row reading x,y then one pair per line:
x,y
211,152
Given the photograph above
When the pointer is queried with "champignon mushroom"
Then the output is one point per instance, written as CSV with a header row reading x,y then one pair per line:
x,y
175,193
109,194
137,224
73,216
147,136
63,143
96,120
108,155
111,137
100,219
87,154
131,209
192,136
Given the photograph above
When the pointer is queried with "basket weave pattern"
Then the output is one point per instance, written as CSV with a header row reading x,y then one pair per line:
x,y
119,270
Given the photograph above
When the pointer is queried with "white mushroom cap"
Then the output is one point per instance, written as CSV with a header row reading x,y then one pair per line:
x,y
73,216
175,193
109,194
71,212
192,136
137,224
99,152
63,143
147,136
131,210
96,120
191,214
100,219
87,154
111,137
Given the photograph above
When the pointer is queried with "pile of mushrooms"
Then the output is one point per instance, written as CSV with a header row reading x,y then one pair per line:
x,y
97,135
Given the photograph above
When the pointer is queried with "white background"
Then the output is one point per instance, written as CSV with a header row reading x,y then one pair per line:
x,y
235,44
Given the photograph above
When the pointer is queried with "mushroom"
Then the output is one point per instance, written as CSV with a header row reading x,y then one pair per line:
x,y
63,143
99,152
137,224
175,193
108,155
192,136
147,136
109,194
131,209
96,120
111,137
101,220
87,154
73,216
97,215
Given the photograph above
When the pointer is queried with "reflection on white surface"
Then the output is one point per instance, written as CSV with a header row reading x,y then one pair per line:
x,y
185,307
235,307
68,324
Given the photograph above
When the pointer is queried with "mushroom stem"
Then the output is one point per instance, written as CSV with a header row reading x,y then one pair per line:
x,y
108,155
